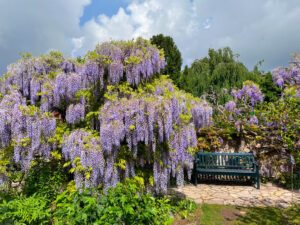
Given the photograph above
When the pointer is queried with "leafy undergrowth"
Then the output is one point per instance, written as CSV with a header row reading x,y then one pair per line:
x,y
233,215
127,203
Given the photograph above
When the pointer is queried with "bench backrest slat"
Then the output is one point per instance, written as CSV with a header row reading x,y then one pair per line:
x,y
225,160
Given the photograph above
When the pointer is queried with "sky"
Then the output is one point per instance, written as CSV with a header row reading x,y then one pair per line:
x,y
257,30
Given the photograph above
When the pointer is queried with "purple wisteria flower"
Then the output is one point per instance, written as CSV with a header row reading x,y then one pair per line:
x,y
253,120
289,76
75,113
230,106
27,127
250,92
153,122
82,145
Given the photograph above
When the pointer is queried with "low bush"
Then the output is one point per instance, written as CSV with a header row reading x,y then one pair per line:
x,y
31,210
46,179
127,203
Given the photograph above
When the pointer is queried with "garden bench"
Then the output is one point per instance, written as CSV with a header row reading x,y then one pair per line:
x,y
226,165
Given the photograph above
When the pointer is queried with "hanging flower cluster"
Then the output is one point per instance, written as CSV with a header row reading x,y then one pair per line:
x,y
53,81
75,113
26,128
84,151
138,62
8,106
230,106
249,93
288,77
241,109
163,115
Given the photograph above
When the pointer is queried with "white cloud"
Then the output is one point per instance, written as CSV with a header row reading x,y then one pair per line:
x,y
35,26
255,29
207,23
78,44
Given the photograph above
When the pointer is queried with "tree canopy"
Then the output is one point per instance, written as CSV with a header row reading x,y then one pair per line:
x,y
172,55
215,74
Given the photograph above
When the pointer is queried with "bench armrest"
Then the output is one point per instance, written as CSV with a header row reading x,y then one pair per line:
x,y
256,166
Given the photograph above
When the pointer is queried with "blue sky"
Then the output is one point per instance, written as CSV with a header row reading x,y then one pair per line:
x,y
256,30
97,7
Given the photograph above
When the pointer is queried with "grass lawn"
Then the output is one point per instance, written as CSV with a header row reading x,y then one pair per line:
x,y
232,215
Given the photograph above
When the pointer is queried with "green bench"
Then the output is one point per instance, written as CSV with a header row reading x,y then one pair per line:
x,y
226,166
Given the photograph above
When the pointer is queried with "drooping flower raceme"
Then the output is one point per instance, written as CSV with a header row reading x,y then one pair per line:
x,y
84,151
290,76
250,93
230,106
26,127
8,106
75,113
137,62
155,118
245,99
52,81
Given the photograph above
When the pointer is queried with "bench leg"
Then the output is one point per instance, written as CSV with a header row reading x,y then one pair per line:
x,y
196,182
257,182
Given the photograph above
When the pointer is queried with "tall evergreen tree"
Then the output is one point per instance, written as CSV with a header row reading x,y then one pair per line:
x,y
172,55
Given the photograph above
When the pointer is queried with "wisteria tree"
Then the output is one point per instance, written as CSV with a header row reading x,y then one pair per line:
x,y
120,117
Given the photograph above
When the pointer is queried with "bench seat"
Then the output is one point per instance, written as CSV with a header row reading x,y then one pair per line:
x,y
227,171
227,164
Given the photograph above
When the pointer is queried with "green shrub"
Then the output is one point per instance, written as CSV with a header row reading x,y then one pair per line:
x,y
76,208
183,207
127,203
286,180
32,210
46,179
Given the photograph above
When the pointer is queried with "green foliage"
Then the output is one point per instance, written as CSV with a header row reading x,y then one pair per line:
x,y
125,204
285,112
45,178
285,179
32,210
128,204
183,207
216,75
53,59
172,55
76,208
271,91
61,130
25,55
292,214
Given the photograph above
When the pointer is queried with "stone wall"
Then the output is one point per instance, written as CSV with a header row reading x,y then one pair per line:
x,y
272,162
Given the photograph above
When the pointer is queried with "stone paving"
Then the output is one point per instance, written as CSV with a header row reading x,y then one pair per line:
x,y
267,195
